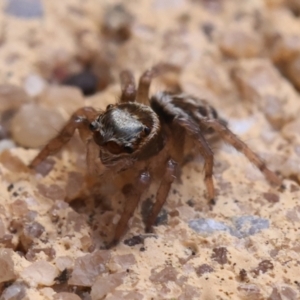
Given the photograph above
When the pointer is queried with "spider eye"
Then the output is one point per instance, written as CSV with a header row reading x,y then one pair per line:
x,y
128,149
113,147
93,126
147,130
97,138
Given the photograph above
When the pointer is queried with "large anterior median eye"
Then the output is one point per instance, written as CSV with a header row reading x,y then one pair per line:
x,y
113,147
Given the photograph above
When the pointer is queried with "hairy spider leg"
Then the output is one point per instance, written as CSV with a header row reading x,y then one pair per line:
x,y
162,193
147,77
79,120
240,146
193,130
133,195
127,87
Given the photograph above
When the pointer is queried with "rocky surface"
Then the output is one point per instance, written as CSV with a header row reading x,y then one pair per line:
x,y
55,222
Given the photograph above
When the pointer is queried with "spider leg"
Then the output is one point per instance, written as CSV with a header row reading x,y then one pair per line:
x,y
79,120
95,167
240,146
127,86
162,193
133,194
194,131
146,78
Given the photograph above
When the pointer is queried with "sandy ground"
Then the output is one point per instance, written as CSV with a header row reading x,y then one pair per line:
x,y
54,226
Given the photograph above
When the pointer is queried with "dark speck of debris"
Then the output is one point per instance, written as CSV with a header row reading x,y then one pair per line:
x,y
63,277
294,188
212,202
138,239
86,81
220,255
270,197
190,203
15,194
162,217
205,268
10,187
263,267
135,240
142,249
208,29
243,275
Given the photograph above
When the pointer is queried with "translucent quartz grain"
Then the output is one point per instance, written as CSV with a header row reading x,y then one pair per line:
x,y
63,262
124,295
65,296
6,265
40,273
33,230
12,97
33,126
19,208
239,43
66,98
125,261
88,267
15,291
34,84
106,284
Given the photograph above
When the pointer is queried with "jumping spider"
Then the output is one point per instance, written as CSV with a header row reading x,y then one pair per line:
x,y
131,135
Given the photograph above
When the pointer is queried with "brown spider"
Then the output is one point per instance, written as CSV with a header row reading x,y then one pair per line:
x,y
131,135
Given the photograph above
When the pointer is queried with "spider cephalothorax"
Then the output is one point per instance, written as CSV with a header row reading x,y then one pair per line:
x,y
126,131
133,134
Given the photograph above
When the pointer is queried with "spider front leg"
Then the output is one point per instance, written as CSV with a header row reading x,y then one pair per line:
x,y
148,76
133,195
80,120
162,193
240,146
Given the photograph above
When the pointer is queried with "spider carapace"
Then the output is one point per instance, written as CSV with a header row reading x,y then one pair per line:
x,y
141,131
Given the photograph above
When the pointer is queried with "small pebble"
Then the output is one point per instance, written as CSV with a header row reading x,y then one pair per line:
x,y
6,144
12,97
34,85
239,43
208,226
87,268
16,291
25,9
241,226
106,284
33,126
7,272
40,273
65,296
